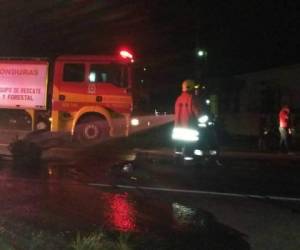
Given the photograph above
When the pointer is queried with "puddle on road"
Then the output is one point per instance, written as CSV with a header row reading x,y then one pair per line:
x,y
68,205
53,198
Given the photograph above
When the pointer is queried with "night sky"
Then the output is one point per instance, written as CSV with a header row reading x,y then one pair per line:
x,y
239,36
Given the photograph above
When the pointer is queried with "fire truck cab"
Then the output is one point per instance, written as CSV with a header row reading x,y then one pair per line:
x,y
91,96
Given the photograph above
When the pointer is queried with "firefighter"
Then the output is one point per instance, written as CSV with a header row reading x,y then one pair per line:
x,y
187,113
187,110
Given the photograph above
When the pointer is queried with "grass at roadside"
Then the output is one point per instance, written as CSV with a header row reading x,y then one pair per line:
x,y
15,236
200,231
19,236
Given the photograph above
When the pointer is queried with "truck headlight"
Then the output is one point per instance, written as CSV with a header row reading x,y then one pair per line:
x,y
203,119
135,122
185,134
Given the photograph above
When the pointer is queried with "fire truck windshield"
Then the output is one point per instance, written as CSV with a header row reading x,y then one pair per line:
x,y
109,73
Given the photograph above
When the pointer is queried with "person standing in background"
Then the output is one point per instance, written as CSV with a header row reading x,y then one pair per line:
x,y
284,129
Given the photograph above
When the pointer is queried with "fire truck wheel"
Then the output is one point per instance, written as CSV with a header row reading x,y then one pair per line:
x,y
92,130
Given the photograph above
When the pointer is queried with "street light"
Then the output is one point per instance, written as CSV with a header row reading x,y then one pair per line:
x,y
200,62
201,53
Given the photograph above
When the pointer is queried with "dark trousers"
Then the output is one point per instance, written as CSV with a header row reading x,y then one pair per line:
x,y
284,139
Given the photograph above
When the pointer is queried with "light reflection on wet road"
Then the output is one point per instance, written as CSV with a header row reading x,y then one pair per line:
x,y
39,196
58,202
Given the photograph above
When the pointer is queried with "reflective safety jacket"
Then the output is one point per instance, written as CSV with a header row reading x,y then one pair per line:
x,y
284,118
186,110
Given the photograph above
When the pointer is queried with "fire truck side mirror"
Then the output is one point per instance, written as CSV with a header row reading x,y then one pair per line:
x,y
128,90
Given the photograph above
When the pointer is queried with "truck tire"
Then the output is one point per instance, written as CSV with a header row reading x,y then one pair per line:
x,y
92,130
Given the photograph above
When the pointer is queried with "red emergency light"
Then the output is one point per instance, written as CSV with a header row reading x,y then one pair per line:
x,y
126,54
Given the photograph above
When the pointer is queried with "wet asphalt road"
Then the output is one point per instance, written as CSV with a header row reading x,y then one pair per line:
x,y
245,204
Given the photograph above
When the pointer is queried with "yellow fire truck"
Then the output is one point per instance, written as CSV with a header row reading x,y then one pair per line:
x,y
89,96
